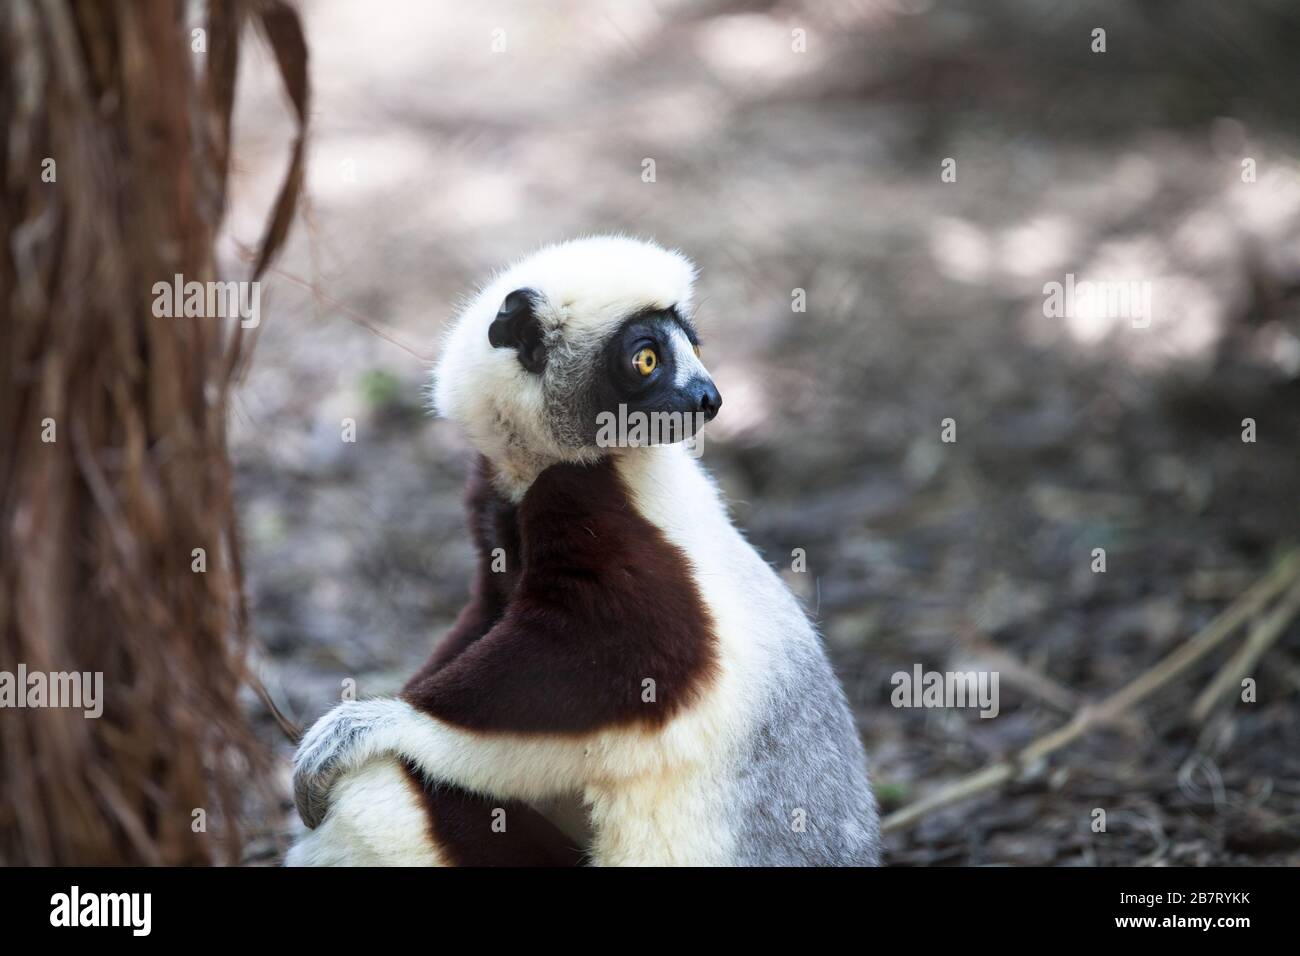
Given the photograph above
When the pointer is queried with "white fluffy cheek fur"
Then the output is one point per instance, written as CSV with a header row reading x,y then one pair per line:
x,y
498,404
467,370
375,819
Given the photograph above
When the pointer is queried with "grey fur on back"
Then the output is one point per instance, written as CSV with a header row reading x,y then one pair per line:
x,y
806,755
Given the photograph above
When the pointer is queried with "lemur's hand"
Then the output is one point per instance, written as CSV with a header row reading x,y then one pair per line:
x,y
343,739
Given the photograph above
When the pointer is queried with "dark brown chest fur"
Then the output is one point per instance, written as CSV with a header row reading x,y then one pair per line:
x,y
594,620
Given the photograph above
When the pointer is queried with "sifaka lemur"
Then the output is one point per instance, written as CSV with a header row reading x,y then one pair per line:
x,y
624,646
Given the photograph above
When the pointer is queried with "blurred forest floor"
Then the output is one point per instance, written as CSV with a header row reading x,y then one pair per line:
x,y
434,160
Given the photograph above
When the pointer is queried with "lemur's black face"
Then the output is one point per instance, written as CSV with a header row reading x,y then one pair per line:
x,y
648,368
651,365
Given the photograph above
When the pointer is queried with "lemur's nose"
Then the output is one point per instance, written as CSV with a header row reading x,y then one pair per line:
x,y
709,400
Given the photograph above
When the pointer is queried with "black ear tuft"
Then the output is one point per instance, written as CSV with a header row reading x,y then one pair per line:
x,y
516,327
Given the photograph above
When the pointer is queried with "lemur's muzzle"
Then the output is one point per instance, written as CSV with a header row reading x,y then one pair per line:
x,y
705,397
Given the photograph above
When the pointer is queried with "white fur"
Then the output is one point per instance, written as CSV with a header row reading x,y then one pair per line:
x,y
376,820
688,364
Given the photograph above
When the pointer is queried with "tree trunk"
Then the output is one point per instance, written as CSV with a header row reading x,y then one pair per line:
x,y
118,547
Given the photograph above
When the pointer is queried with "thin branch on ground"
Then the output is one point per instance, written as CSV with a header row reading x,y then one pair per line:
x,y
1239,666
1286,573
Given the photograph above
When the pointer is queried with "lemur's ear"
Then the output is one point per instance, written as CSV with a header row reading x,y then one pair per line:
x,y
516,327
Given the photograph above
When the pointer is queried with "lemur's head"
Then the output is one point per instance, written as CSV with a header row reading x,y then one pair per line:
x,y
568,333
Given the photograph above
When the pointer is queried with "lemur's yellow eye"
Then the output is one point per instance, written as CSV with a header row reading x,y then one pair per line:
x,y
697,350
645,361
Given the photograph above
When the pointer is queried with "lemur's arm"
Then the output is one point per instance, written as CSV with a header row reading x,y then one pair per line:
x,y
603,603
